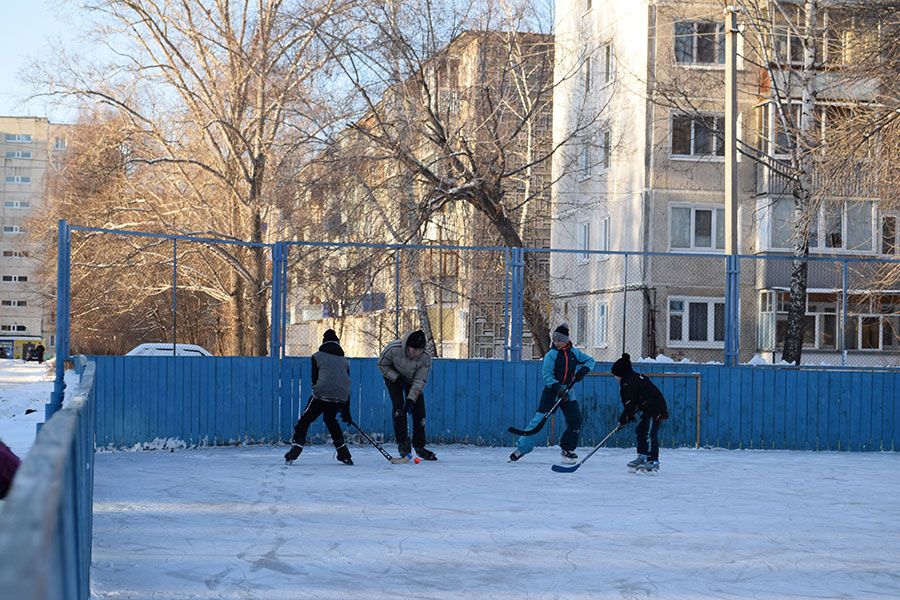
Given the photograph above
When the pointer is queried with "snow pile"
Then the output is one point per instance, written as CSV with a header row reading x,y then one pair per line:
x,y
24,386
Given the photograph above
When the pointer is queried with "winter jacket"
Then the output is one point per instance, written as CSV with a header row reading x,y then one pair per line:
x,y
395,362
9,463
639,394
331,373
560,366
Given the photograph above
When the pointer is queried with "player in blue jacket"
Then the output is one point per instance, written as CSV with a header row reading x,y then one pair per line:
x,y
562,366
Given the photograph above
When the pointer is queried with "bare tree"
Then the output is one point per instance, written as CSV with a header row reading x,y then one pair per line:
x,y
471,130
223,92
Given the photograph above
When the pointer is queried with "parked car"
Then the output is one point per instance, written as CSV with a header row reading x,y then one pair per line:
x,y
165,349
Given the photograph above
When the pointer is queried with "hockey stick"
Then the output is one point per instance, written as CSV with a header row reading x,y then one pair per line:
x,y
397,461
540,425
573,468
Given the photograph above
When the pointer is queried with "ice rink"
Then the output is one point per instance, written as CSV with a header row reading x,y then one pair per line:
x,y
237,523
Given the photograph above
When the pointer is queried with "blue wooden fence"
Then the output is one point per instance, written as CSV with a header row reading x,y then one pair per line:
x,y
226,400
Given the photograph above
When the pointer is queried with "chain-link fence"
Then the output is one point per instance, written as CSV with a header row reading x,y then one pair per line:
x,y
157,294
129,289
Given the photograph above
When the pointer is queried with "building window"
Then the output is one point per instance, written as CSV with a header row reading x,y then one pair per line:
x,y
889,240
697,227
696,322
837,226
607,63
584,242
23,154
788,45
20,278
603,241
587,73
581,313
18,179
584,159
18,137
13,229
699,43
601,339
15,253
14,303
16,204
698,135
605,149
60,144
13,328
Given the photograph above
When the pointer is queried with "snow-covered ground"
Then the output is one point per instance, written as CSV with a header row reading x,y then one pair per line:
x,y
236,523
23,386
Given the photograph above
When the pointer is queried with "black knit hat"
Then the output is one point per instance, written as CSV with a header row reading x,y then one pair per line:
x,y
416,339
330,336
561,333
622,367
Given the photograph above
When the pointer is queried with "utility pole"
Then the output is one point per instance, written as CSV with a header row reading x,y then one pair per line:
x,y
732,267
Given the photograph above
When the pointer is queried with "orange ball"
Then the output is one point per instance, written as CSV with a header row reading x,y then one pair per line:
x,y
417,460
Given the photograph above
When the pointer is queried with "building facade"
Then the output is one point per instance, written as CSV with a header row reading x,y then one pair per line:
x,y
29,148
648,176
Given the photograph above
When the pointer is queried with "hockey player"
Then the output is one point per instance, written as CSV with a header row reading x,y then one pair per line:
x,y
330,397
639,394
563,365
405,365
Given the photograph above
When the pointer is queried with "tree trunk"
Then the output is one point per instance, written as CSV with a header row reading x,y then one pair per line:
x,y
535,315
803,158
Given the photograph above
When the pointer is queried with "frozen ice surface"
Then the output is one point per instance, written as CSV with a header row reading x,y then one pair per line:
x,y
237,523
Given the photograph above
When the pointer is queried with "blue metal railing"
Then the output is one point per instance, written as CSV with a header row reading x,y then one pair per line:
x,y
46,525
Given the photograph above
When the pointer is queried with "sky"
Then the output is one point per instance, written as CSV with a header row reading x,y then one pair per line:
x,y
27,28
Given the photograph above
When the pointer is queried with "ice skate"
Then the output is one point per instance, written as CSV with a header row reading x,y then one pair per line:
x,y
633,465
426,454
292,454
343,455
516,455
568,457
651,467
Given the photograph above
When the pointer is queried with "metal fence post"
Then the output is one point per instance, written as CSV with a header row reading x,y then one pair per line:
x,y
63,303
624,302
506,277
516,292
174,297
275,330
732,304
397,293
845,277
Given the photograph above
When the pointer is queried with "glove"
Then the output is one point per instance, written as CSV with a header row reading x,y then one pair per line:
x,y
581,373
625,419
558,389
345,413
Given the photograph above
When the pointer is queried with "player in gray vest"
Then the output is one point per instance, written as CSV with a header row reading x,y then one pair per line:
x,y
405,365
330,397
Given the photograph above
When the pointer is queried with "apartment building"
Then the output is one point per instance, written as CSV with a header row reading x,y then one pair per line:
x,y
29,148
648,176
358,192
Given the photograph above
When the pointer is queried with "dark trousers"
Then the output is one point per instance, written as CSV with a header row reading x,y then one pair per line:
x,y
329,412
647,439
570,410
398,393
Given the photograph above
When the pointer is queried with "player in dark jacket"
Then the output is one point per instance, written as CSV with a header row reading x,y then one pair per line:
x,y
639,394
330,397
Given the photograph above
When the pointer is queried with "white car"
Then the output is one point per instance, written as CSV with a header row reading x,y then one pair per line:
x,y
165,349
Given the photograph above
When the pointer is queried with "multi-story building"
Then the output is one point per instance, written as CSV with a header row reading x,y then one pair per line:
x,y
367,198
29,147
650,178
